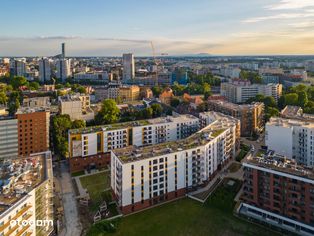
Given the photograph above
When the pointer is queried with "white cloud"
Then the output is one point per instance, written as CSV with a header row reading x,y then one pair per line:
x,y
291,5
281,16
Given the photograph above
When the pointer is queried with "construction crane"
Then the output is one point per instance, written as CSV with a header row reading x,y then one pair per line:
x,y
155,61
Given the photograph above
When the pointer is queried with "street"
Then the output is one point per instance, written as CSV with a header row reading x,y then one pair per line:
x,y
72,220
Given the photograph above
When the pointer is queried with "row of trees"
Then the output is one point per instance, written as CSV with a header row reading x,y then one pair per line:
x,y
60,126
253,77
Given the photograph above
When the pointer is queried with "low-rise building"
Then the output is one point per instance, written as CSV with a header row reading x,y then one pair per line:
x,y
36,102
278,192
251,116
144,176
129,93
166,96
27,195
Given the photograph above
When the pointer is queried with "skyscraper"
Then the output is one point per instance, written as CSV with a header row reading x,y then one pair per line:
x,y
63,50
63,69
18,67
128,66
44,69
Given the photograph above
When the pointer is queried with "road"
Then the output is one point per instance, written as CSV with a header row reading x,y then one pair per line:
x,y
257,144
72,220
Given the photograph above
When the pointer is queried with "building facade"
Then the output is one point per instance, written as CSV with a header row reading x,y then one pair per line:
x,y
8,137
45,69
128,66
241,91
33,130
292,138
251,116
96,141
63,67
143,177
279,192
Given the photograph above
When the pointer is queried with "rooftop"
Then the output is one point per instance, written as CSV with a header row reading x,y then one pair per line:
x,y
209,133
26,110
280,163
160,120
291,111
234,106
277,121
19,176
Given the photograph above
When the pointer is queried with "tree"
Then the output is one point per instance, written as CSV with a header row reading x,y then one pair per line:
x,y
3,98
60,126
175,102
81,89
109,112
156,91
147,113
76,124
291,99
157,110
270,112
14,106
33,85
302,99
270,101
18,81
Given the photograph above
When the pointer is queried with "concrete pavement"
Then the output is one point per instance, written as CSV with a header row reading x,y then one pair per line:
x,y
73,225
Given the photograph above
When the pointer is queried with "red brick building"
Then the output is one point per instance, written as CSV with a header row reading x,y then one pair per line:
x,y
279,192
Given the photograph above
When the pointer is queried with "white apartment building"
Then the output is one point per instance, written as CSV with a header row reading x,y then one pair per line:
x,y
148,175
241,91
76,106
8,137
291,138
128,66
233,73
99,139
36,102
45,69
27,195
63,67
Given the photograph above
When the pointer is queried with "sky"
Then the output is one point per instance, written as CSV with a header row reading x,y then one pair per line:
x,y
176,27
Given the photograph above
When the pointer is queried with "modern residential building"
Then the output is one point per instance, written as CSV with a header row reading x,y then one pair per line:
x,y
251,116
63,67
96,76
295,112
292,138
33,130
278,192
76,106
89,147
45,72
27,195
241,91
8,136
144,176
128,66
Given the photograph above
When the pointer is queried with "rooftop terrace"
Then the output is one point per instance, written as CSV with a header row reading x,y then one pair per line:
x,y
280,163
133,153
19,176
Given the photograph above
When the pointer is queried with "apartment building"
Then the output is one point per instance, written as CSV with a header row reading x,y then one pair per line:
x,y
278,192
251,116
292,138
8,136
33,130
76,106
36,102
88,144
128,66
45,71
63,67
241,91
144,176
27,195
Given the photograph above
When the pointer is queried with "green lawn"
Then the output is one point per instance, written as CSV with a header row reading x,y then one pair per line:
x,y
187,217
95,185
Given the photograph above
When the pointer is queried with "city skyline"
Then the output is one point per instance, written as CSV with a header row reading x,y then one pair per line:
x,y
271,27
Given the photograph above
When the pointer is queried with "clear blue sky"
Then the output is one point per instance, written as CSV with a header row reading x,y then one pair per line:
x,y
104,27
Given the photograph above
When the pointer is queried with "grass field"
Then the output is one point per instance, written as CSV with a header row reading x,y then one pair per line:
x,y
95,185
187,217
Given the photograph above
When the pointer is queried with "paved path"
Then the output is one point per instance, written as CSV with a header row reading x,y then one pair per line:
x,y
72,220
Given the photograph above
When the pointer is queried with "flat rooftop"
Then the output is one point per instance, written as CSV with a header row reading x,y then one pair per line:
x,y
234,106
123,125
283,122
291,111
133,153
280,163
19,176
27,110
